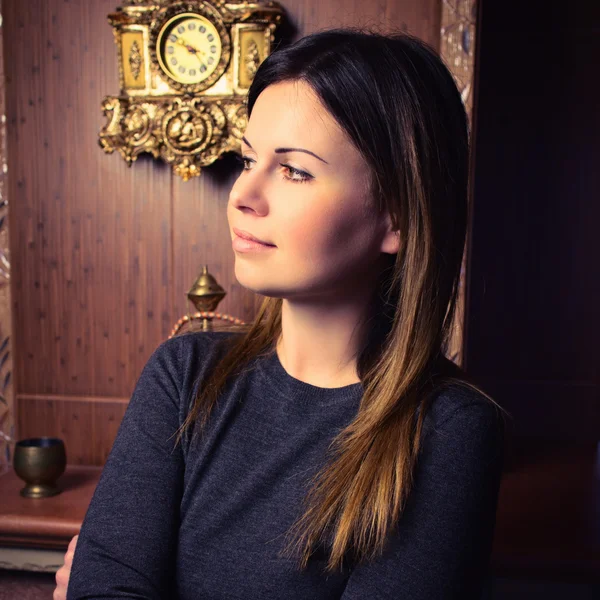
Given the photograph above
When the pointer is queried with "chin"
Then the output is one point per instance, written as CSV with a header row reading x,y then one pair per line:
x,y
249,278
254,284
273,283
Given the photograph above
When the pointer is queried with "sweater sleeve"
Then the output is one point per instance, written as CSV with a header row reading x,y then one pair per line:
x,y
441,547
128,539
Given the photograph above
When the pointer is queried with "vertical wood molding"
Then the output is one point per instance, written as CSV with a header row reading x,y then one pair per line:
x,y
7,414
457,49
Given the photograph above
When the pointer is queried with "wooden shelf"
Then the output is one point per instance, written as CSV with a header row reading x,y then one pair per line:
x,y
47,523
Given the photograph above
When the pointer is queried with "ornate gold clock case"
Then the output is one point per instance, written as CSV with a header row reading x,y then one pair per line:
x,y
185,69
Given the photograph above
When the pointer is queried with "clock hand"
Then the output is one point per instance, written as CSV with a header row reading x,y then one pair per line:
x,y
189,47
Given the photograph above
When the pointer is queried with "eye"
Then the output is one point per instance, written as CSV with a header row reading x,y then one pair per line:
x,y
289,173
296,175
244,161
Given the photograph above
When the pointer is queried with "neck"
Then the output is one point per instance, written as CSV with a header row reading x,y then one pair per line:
x,y
320,342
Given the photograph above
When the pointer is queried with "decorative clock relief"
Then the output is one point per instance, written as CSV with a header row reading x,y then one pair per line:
x,y
185,69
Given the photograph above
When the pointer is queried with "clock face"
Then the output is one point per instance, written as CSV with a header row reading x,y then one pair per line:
x,y
188,48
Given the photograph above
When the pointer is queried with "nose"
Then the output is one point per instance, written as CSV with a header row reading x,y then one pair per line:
x,y
248,191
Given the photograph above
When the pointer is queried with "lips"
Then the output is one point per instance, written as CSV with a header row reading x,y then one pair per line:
x,y
248,236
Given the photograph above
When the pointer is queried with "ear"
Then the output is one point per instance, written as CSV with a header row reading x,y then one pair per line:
x,y
390,243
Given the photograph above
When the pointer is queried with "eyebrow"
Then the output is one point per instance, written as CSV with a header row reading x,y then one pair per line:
x,y
284,150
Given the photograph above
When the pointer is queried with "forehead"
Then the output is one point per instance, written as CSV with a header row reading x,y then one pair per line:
x,y
290,113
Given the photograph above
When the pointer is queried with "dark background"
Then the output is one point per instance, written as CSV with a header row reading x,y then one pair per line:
x,y
533,304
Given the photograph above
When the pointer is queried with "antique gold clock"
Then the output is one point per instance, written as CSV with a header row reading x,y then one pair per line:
x,y
190,50
185,69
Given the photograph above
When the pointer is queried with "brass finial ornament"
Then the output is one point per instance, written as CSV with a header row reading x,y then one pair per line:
x,y
184,71
205,294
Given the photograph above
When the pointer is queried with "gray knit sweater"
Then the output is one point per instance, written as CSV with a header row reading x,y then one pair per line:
x,y
206,521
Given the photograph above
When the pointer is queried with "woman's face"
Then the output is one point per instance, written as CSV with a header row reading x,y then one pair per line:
x,y
305,189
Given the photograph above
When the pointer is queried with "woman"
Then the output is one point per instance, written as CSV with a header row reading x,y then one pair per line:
x,y
330,450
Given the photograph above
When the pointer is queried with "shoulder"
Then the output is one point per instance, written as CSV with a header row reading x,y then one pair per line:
x,y
188,357
188,352
187,347
463,418
457,402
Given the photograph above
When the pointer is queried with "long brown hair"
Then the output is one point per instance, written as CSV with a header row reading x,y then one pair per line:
x,y
400,107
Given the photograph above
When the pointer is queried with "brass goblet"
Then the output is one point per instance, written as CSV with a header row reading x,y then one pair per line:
x,y
40,462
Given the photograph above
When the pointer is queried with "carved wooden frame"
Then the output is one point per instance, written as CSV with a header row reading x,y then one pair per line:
x,y
457,49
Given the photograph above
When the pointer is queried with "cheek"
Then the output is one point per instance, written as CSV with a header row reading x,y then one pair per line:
x,y
332,228
308,221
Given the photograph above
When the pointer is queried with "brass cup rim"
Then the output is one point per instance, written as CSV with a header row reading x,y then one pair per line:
x,y
39,442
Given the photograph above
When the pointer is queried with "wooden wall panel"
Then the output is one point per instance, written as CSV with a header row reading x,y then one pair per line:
x,y
102,255
202,237
91,238
86,423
